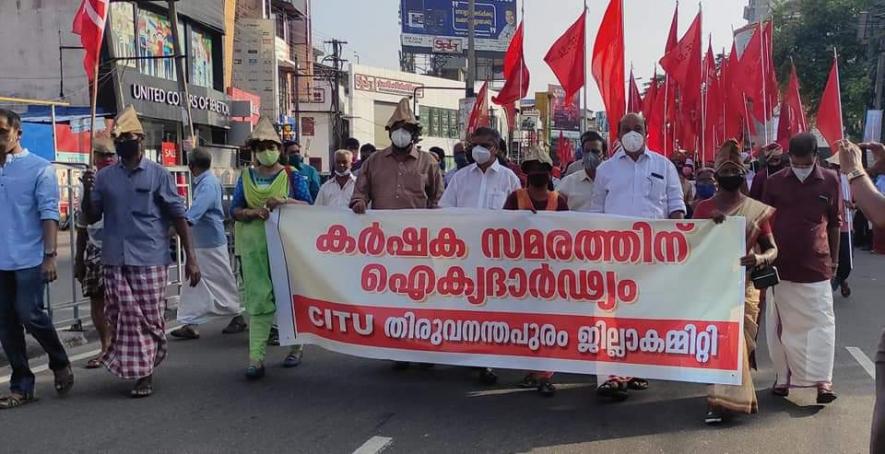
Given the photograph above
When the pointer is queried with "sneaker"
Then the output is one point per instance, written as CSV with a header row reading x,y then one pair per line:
x,y
714,416
236,325
186,332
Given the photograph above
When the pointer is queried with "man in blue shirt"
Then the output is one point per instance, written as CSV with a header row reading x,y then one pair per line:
x,y
216,295
293,151
28,227
138,201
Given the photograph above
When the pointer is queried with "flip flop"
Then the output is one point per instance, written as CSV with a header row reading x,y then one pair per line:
x,y
93,363
16,400
143,388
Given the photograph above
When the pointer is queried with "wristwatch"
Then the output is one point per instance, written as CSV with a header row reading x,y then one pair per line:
x,y
50,254
855,174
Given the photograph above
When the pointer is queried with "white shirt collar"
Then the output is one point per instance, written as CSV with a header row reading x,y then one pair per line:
x,y
496,166
623,154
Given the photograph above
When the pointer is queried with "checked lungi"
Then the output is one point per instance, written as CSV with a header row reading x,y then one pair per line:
x,y
134,305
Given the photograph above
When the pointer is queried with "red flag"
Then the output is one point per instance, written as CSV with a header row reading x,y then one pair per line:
x,y
634,103
683,63
732,97
792,119
516,72
566,58
564,151
829,114
669,92
712,109
608,65
757,75
673,37
479,115
89,23
649,99
654,105
510,113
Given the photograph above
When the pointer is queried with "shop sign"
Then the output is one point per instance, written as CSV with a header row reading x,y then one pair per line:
x,y
377,84
173,98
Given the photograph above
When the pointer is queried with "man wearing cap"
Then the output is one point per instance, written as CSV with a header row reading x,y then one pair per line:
x,y
29,222
87,261
260,189
800,322
639,183
400,176
216,295
138,201
591,142
774,162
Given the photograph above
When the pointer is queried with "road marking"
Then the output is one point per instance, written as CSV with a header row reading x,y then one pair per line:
x,y
44,367
864,361
374,445
499,392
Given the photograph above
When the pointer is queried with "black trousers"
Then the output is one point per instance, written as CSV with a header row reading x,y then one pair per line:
x,y
844,269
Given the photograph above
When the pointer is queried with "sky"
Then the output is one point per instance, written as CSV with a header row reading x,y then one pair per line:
x,y
371,28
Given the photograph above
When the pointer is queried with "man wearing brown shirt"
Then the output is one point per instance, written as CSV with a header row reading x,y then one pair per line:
x,y
400,176
801,325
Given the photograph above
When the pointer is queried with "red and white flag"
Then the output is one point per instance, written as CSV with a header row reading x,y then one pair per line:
x,y
89,23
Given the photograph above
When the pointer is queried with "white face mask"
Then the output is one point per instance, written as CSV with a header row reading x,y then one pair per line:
x,y
343,174
481,154
633,141
802,173
401,138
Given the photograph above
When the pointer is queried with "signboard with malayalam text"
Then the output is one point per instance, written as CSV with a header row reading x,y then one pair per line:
x,y
440,26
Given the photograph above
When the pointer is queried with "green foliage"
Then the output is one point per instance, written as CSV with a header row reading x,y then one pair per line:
x,y
807,31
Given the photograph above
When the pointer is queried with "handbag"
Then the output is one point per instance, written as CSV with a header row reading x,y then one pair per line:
x,y
765,277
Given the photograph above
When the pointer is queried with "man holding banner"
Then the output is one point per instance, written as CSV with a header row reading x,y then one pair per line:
x,y
639,183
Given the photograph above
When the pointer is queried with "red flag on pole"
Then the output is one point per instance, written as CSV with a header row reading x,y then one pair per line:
x,y
564,151
516,72
634,103
712,108
732,97
683,63
792,119
608,65
89,23
566,58
757,74
829,114
479,115
654,107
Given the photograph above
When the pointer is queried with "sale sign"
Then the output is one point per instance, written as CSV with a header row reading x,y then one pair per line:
x,y
569,292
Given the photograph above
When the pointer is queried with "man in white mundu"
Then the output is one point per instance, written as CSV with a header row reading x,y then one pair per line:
x,y
640,183
216,295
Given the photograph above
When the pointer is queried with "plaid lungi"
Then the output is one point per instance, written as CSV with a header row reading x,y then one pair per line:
x,y
134,304
93,280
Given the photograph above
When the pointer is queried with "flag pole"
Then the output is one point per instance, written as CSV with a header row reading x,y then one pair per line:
x,y
93,113
584,66
764,80
518,120
839,88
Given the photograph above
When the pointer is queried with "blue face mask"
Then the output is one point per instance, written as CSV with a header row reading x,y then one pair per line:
x,y
705,190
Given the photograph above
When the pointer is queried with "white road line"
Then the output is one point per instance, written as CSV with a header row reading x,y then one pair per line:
x,y
44,367
864,361
499,392
374,445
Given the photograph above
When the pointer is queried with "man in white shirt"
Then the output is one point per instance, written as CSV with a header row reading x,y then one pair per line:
x,y
590,140
636,181
578,187
639,183
337,191
485,184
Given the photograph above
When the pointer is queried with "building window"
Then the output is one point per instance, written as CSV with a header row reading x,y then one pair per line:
x,y
201,58
155,40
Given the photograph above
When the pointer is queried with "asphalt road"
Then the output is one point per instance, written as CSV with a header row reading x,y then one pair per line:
x,y
339,404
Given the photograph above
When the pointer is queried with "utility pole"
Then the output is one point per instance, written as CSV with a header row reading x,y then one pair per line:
x,y
471,48
297,103
336,96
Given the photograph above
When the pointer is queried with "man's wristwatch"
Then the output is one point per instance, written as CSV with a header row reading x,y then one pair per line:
x,y
50,254
855,174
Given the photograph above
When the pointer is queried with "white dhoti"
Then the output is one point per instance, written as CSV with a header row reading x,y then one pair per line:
x,y
216,295
801,332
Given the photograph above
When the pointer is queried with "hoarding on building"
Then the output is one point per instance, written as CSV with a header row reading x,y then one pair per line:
x,y
440,26
566,113
255,63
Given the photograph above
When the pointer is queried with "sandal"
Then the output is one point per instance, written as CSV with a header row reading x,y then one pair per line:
x,y
530,381
143,388
825,394
93,363
254,372
64,380
780,390
15,400
715,415
613,390
546,387
637,384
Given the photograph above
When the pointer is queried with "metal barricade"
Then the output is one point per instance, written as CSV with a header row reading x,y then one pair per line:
x,y
70,193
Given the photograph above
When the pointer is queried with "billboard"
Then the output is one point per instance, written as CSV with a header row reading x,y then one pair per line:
x,y
566,115
440,26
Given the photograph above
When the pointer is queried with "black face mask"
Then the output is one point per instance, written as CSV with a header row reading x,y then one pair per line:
x,y
127,149
730,183
774,168
538,180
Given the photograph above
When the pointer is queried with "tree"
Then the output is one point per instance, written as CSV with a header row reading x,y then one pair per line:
x,y
807,31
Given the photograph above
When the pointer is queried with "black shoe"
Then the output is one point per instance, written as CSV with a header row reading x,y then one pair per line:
x,y
714,416
236,325
846,290
255,372
274,338
185,332
613,390
487,376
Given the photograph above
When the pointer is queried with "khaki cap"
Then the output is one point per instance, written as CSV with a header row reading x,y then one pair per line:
x,y
264,131
127,122
404,113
